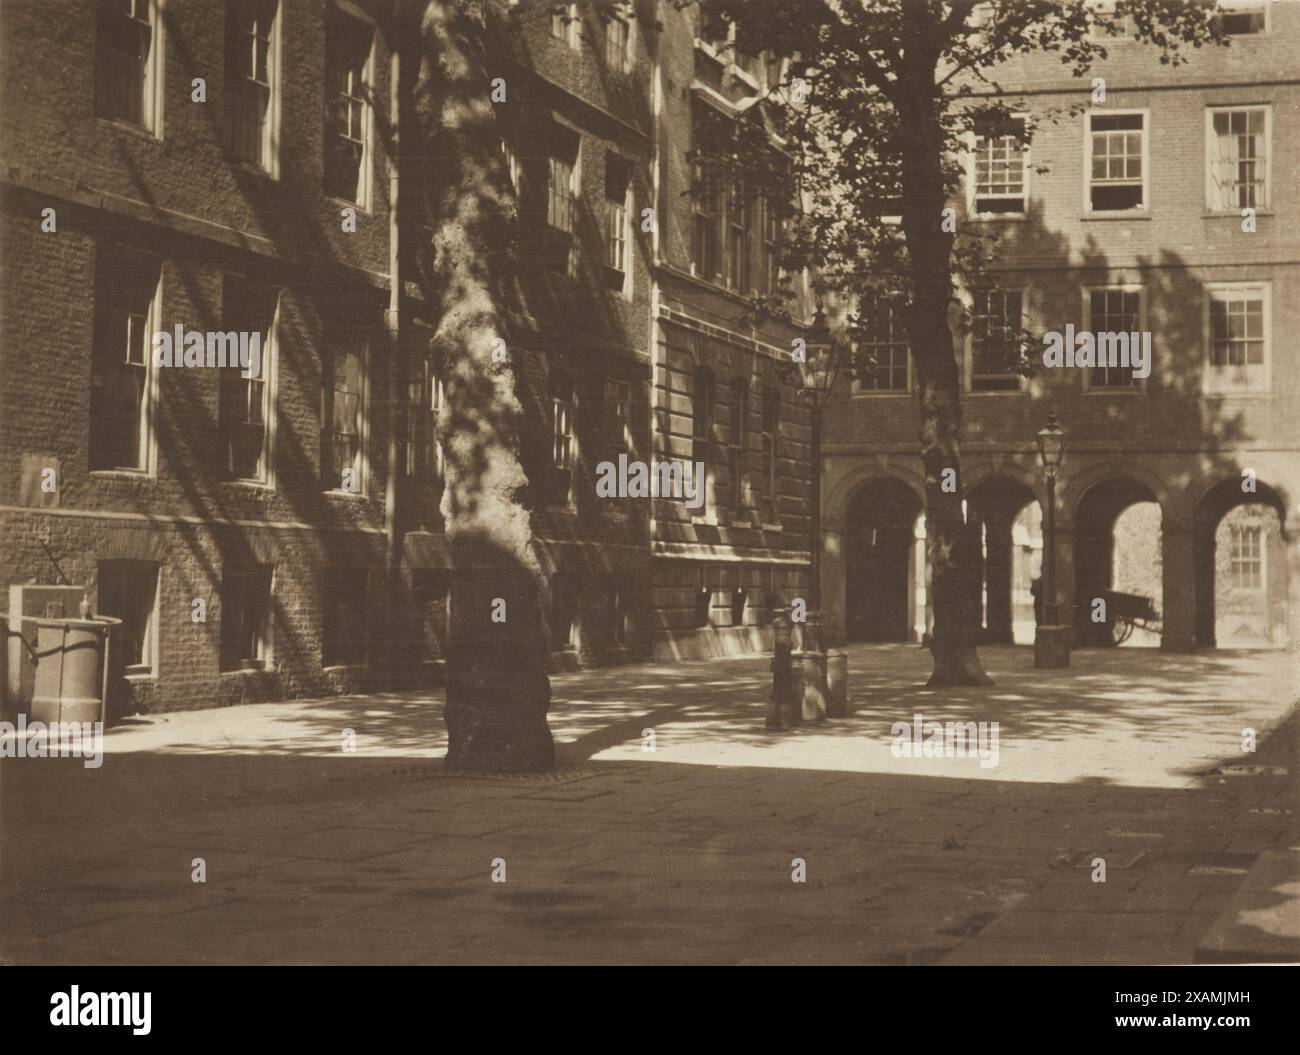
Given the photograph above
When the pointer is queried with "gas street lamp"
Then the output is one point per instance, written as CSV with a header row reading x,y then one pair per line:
x,y
817,364
1051,639
820,679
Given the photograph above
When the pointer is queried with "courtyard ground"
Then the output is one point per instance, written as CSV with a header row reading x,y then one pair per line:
x,y
683,854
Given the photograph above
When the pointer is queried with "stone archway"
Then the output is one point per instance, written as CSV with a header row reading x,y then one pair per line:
x,y
880,562
1240,566
994,510
1118,530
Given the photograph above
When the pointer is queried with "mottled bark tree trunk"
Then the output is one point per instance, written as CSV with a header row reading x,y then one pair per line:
x,y
956,660
498,692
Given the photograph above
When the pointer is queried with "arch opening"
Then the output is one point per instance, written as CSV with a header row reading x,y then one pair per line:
x,y
1005,523
1118,566
1240,568
884,562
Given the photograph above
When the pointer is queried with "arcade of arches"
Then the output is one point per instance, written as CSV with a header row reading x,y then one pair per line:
x,y
1233,569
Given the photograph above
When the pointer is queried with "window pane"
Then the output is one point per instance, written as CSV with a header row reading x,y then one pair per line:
x,y
882,350
124,41
1116,176
348,91
249,76
995,341
127,591
346,624
249,310
1237,175
125,286
245,616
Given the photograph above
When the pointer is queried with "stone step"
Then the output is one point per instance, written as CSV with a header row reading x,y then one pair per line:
x,y
1262,921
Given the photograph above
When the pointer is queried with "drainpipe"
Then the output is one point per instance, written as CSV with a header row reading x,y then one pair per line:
x,y
392,323
656,250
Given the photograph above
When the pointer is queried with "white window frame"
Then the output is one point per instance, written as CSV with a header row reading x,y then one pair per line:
x,y
566,411
972,183
148,446
741,497
624,15
706,210
1215,379
365,182
704,396
148,668
769,447
771,235
514,170
363,417
1145,208
270,359
1262,531
1239,6
155,68
425,397
573,193
1106,9
1085,313
1210,139
622,397
561,413
968,342
619,232
615,417
857,390
738,237
572,26
266,640
269,165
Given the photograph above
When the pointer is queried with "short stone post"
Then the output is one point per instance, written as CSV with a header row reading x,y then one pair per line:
x,y
837,684
781,703
810,632
810,685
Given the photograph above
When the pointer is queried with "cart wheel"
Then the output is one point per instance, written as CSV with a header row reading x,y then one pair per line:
x,y
1121,630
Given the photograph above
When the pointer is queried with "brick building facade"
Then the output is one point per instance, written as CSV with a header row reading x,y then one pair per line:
x,y
1167,205
721,396
224,167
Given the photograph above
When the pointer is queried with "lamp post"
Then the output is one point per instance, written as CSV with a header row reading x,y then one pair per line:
x,y
816,374
1051,639
814,368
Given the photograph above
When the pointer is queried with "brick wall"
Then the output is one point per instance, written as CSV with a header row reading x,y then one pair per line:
x,y
760,544
1169,435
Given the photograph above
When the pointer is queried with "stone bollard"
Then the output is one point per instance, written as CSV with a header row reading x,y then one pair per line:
x,y
837,684
810,685
810,632
780,705
1052,646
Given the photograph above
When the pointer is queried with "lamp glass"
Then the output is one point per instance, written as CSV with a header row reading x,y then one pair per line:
x,y
1051,445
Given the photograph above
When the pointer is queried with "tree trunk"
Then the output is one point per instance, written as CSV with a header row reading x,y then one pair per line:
x,y
929,248
498,692
956,660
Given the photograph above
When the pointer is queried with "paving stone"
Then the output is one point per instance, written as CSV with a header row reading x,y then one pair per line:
x,y
679,856
1262,921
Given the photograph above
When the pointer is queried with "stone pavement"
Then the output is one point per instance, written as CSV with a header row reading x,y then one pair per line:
x,y
680,855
